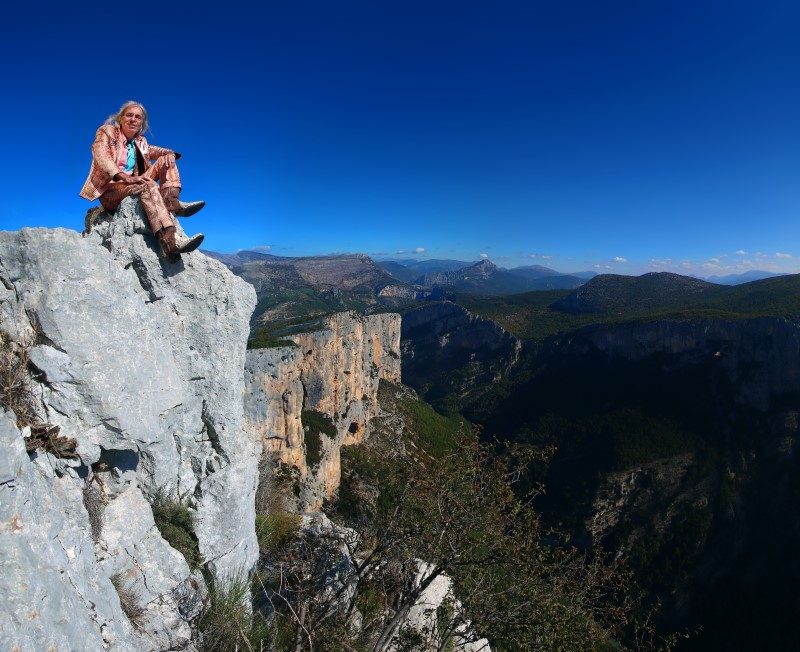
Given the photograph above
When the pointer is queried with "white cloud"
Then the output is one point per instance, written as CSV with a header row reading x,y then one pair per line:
x,y
484,256
547,258
619,259
715,261
741,252
782,255
417,250
661,263
259,248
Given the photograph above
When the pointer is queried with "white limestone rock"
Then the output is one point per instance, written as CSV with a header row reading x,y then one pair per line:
x,y
141,361
53,594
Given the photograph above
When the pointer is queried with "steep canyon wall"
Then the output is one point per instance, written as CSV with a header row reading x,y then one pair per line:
x,y
334,371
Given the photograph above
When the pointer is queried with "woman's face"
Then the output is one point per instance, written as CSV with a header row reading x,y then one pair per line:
x,y
131,121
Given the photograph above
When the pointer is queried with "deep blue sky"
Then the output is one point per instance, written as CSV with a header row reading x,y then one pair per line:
x,y
619,136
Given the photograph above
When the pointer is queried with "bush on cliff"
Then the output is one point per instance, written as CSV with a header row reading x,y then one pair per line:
x,y
264,339
174,521
16,394
227,623
276,530
516,584
316,424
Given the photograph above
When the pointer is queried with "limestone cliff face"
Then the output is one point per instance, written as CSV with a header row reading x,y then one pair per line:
x,y
141,363
759,358
334,371
446,346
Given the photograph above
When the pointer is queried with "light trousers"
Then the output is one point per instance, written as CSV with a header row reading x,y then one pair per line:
x,y
150,193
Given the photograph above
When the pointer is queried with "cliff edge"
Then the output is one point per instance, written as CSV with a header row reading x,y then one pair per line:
x,y
141,363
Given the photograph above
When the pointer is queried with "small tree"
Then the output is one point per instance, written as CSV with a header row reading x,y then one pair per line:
x,y
455,515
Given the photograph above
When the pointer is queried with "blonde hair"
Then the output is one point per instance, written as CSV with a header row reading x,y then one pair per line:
x,y
116,118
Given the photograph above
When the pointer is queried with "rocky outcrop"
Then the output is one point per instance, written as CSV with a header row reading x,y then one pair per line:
x,y
425,618
140,361
335,372
400,294
633,492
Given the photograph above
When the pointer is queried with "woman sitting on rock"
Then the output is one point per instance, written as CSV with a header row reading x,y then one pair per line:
x,y
124,164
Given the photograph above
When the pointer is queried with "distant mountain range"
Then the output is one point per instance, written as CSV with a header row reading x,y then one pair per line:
x,y
293,290
617,293
662,292
482,277
747,277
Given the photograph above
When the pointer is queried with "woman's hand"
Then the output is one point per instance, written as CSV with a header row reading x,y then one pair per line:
x,y
169,160
127,178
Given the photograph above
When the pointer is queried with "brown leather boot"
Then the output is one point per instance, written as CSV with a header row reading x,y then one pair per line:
x,y
184,245
166,237
178,207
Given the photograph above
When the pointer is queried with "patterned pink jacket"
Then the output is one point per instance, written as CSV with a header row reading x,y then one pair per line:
x,y
107,150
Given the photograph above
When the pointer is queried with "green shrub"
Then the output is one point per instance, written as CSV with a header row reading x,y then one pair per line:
x,y
315,424
435,433
370,601
174,521
313,447
263,339
227,622
319,421
275,531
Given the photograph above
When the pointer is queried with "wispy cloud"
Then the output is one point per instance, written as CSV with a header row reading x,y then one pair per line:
x,y
619,259
484,256
779,254
416,250
741,252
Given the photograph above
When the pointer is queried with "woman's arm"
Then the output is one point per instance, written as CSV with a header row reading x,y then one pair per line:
x,y
103,153
154,152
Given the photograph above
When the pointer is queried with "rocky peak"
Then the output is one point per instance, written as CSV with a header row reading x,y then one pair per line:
x,y
140,362
484,268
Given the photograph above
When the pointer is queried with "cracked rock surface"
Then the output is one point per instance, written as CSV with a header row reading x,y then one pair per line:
x,y
141,362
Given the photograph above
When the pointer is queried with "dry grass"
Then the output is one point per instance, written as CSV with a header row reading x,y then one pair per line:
x,y
93,216
129,600
15,382
16,394
46,437
94,504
